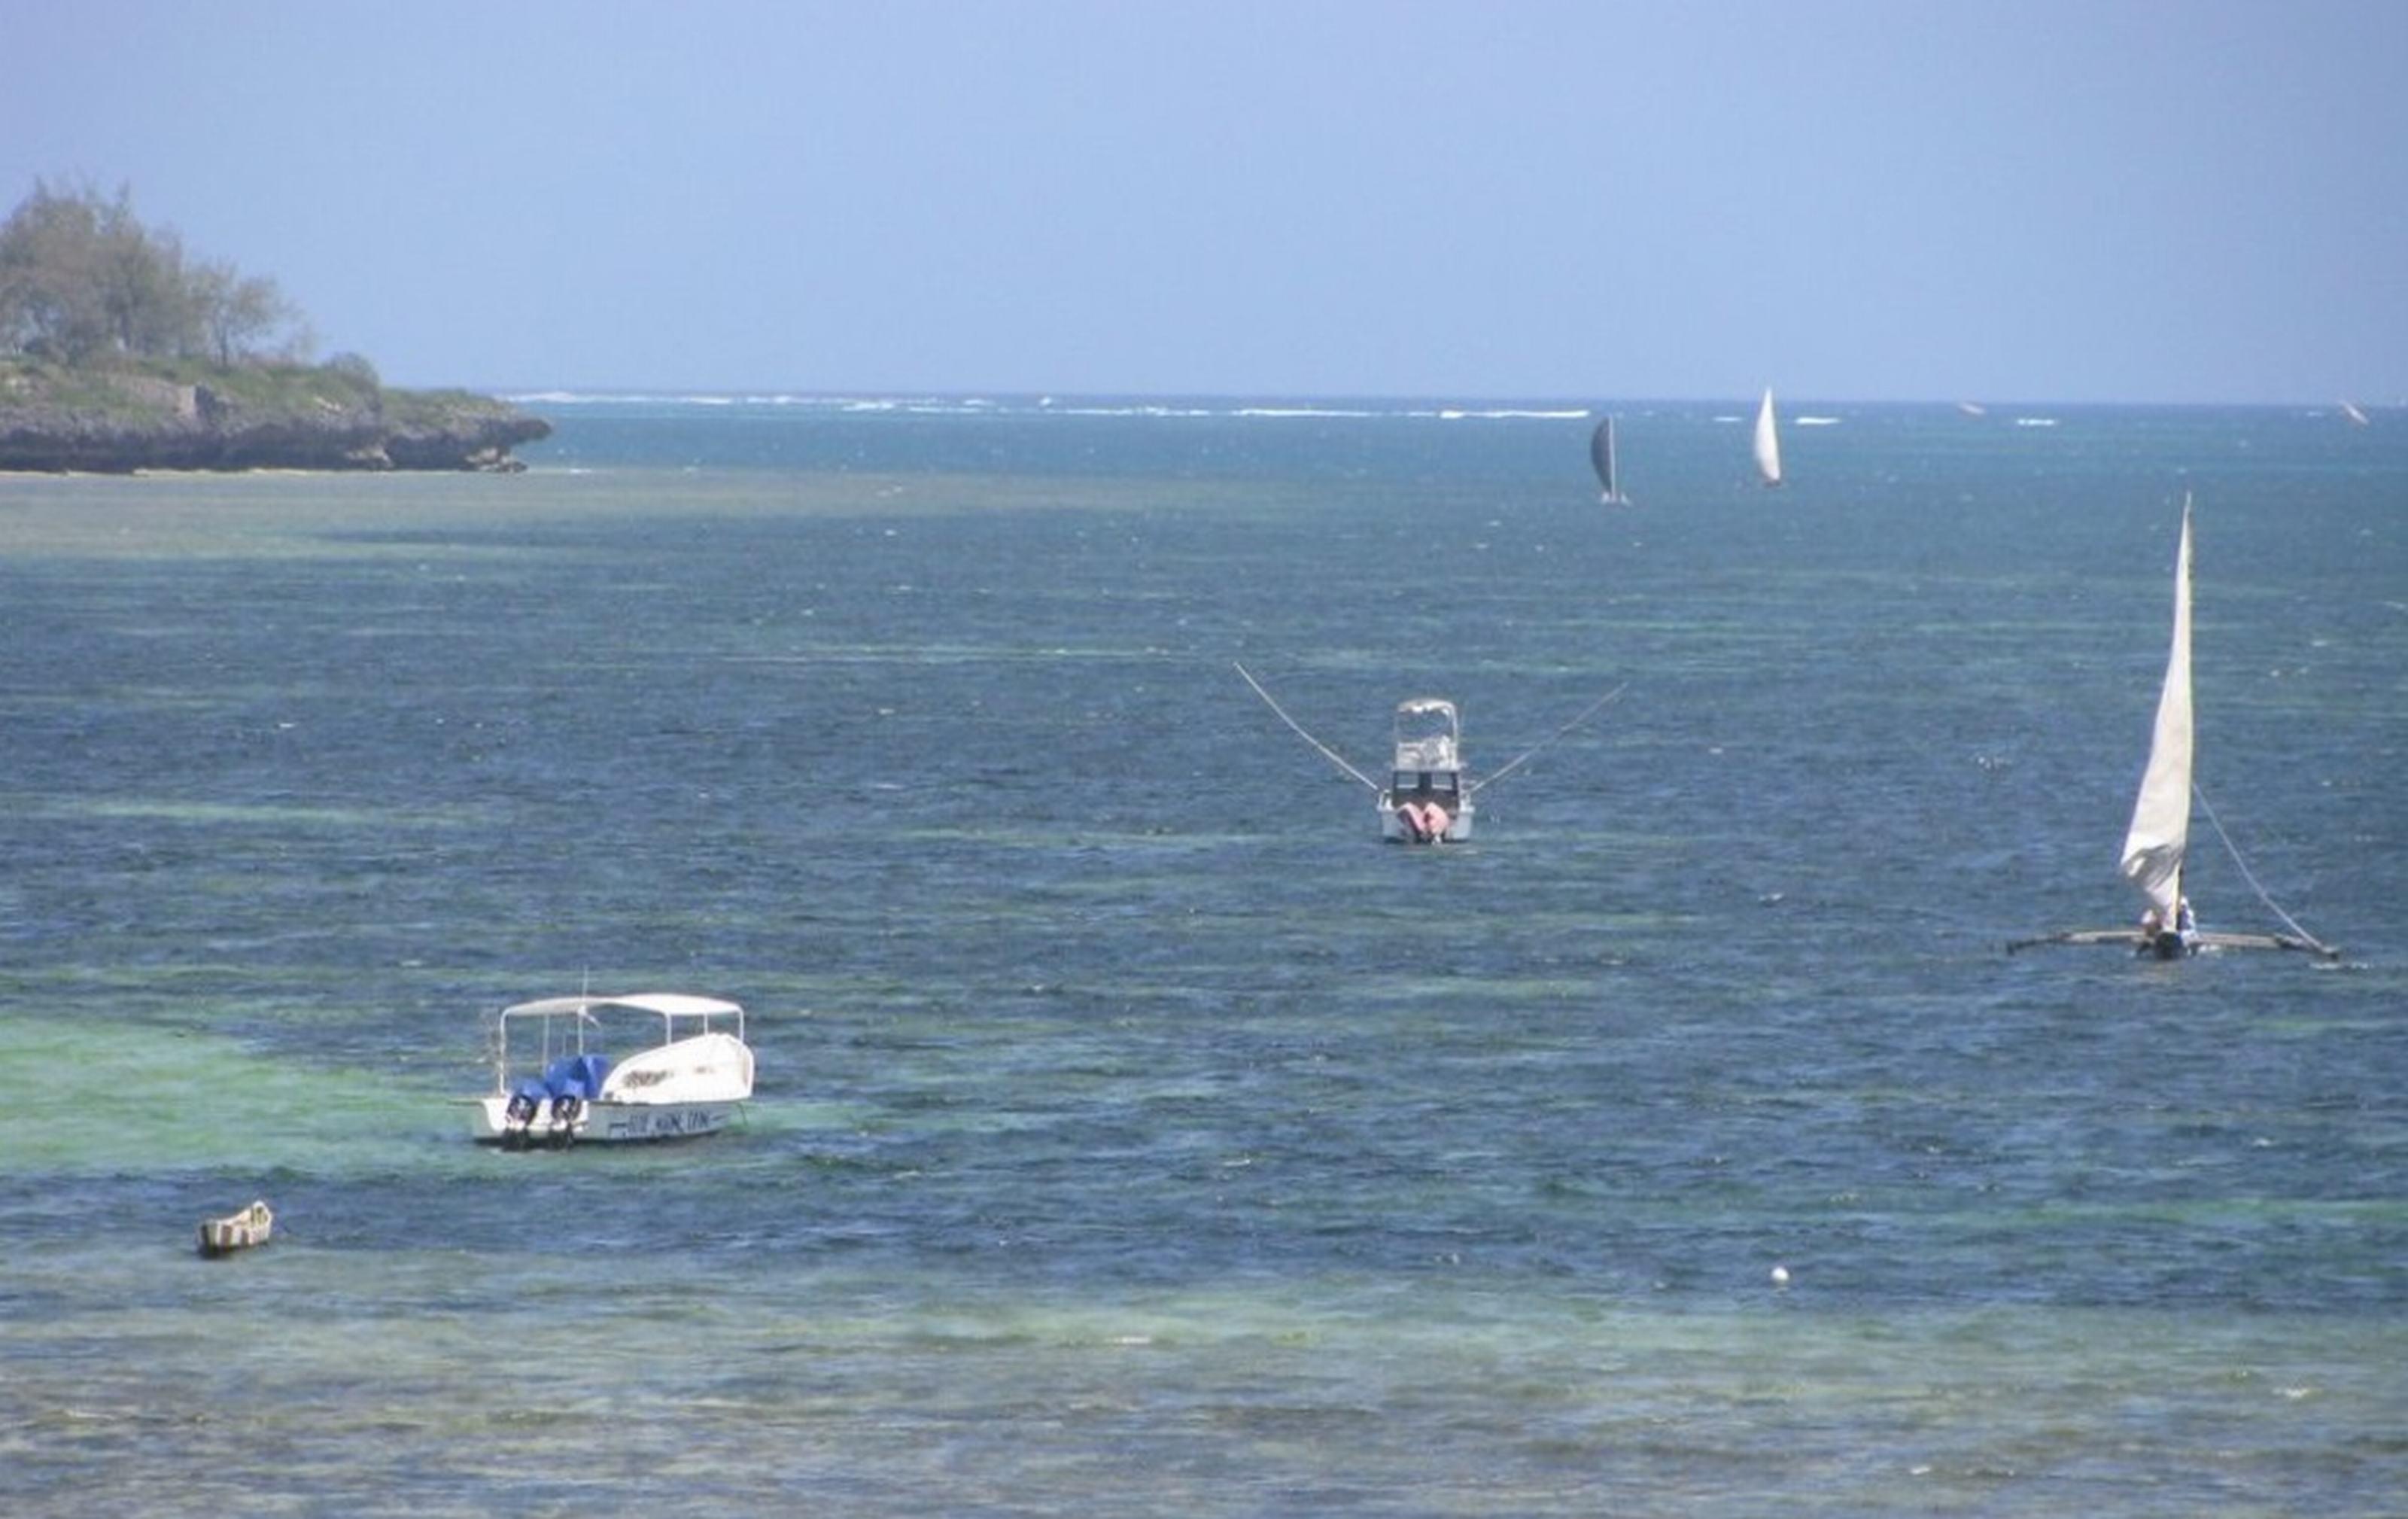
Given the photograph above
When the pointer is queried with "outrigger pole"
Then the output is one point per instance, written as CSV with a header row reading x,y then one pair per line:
x,y
2205,940
1586,713
2299,939
1327,752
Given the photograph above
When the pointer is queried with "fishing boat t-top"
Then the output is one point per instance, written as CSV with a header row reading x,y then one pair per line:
x,y
652,1065
1428,797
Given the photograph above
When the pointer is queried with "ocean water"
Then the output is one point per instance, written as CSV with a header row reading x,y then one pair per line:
x,y
1135,1133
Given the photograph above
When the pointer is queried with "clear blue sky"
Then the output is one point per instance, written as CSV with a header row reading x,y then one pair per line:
x,y
1847,199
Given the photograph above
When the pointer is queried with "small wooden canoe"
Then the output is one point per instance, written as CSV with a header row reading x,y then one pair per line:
x,y
237,1231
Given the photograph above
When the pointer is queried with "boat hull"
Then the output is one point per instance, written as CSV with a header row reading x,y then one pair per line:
x,y
2170,943
1395,829
247,1230
603,1123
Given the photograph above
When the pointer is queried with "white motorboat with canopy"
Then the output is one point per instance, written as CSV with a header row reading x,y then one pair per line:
x,y
2157,845
614,1069
1428,797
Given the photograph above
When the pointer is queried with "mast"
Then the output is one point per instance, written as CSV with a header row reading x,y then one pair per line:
x,y
2161,830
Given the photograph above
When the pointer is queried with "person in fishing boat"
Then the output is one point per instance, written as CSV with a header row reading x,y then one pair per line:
x,y
1426,818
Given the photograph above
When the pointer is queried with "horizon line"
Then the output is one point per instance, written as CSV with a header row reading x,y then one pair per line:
x,y
1439,398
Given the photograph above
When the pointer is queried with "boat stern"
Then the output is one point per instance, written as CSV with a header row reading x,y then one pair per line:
x,y
1421,818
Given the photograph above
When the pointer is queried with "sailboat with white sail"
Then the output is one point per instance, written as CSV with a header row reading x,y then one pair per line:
x,y
1768,441
1600,456
2158,839
2157,845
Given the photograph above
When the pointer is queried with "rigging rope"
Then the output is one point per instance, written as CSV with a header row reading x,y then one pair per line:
x,y
2232,850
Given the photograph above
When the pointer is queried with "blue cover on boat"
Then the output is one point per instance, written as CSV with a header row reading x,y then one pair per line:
x,y
577,1076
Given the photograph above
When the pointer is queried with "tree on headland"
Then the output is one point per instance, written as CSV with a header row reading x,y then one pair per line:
x,y
81,279
118,351
240,314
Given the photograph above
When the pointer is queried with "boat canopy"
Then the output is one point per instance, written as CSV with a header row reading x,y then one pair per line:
x,y
1428,731
668,1005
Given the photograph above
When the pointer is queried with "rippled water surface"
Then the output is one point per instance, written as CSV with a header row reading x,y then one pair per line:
x,y
1135,1133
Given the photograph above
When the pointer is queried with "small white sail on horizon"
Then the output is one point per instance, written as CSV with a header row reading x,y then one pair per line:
x,y
1768,441
2155,844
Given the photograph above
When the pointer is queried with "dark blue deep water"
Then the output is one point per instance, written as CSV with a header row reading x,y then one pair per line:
x,y
1135,1133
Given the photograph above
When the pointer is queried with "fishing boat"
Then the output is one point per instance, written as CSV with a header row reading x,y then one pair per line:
x,y
244,1230
621,1069
2157,845
1428,797
1600,456
1768,441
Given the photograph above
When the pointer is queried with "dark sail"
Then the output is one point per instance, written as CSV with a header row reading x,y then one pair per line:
x,y
1600,454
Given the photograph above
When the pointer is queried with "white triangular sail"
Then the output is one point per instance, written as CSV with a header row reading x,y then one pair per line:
x,y
1768,442
2161,832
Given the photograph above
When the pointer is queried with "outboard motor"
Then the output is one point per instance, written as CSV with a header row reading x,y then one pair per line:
x,y
572,1081
566,1108
519,1115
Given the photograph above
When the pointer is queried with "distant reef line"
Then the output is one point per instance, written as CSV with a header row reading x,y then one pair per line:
x,y
126,416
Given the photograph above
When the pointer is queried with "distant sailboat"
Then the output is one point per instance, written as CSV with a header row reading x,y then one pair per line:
x,y
1600,454
1768,442
2356,416
2158,843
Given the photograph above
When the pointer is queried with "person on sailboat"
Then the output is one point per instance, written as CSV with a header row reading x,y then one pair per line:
x,y
2185,924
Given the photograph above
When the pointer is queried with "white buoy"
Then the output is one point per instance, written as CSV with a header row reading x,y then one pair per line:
x,y
1781,1275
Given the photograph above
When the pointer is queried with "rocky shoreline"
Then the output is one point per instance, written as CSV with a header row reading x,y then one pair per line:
x,y
123,423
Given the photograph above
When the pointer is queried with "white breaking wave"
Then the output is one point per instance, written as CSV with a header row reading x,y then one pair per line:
x,y
1503,414
1048,405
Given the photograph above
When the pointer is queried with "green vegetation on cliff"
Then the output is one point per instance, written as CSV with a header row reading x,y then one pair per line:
x,y
119,352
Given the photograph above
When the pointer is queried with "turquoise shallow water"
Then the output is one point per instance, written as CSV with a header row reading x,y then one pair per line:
x,y
1135,1133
